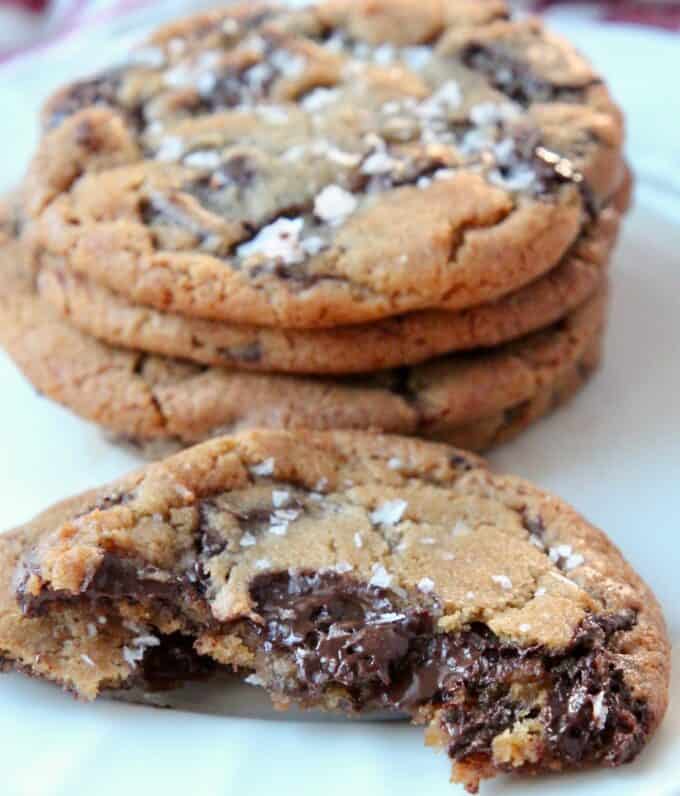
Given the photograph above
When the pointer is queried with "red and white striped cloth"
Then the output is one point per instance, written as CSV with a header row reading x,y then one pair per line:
x,y
29,24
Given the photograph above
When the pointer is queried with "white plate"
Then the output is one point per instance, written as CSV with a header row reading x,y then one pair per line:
x,y
614,452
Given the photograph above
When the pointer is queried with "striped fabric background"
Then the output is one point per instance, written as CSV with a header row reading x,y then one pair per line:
x,y
27,24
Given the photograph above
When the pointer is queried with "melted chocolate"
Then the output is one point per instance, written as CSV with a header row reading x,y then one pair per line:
x,y
115,579
383,651
173,662
339,631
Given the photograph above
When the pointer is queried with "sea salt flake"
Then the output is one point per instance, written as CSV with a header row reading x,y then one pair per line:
x,y
286,515
427,540
319,98
279,528
262,563
394,463
391,107
279,240
503,581
489,113
343,566
358,541
289,64
254,679
91,629
470,595
258,75
524,627
379,163
280,497
313,245
230,27
600,710
170,150
86,659
179,76
460,529
206,83
342,158
384,55
203,159
426,585
573,561
146,641
248,540
389,513
334,204
445,99
539,592
387,618
448,556
133,656
380,577
416,57
272,114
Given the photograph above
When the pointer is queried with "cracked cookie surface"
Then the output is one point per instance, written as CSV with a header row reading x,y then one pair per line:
x,y
349,571
147,398
326,166
402,340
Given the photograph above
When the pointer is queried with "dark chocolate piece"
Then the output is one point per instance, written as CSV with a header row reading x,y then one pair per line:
x,y
515,78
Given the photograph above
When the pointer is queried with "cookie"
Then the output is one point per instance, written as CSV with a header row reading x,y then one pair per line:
x,y
349,572
401,340
146,397
328,166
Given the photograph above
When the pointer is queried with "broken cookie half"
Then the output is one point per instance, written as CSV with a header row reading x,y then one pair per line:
x,y
349,572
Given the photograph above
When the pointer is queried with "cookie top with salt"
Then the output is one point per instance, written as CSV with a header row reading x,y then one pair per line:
x,y
336,164
184,544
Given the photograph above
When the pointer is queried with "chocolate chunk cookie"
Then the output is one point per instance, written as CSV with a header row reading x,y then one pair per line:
x,y
327,166
350,572
148,398
401,340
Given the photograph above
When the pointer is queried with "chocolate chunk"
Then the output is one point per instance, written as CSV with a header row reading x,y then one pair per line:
x,y
382,648
116,578
250,352
173,662
239,170
515,78
340,631
533,523
461,462
401,384
99,90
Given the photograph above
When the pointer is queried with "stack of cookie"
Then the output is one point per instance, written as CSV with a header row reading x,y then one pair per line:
x,y
358,215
